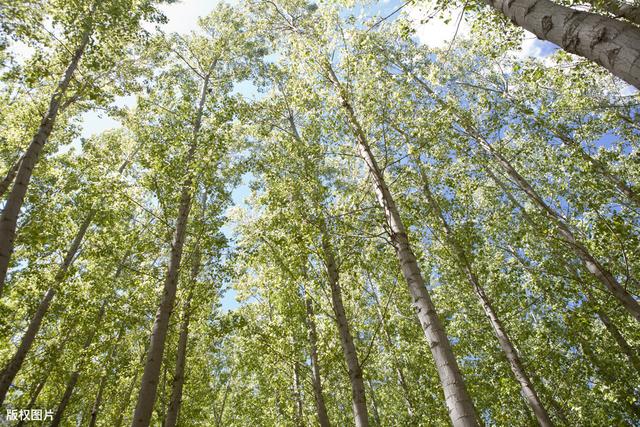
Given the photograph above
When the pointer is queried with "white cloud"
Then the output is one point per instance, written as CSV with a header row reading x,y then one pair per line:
x,y
534,47
435,32
20,52
183,15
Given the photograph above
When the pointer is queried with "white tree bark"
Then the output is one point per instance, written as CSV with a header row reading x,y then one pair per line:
x,y
606,41
457,398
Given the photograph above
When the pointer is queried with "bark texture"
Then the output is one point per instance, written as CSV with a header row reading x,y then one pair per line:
x,y
606,41
358,394
11,211
15,363
458,400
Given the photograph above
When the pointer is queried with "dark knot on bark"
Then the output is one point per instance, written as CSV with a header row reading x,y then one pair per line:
x,y
547,24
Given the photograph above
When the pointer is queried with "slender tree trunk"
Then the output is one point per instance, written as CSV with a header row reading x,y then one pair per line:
x,y
95,409
297,393
374,404
458,400
626,348
8,179
323,417
224,404
150,376
34,396
171,418
15,363
509,350
611,327
54,354
73,379
566,234
11,210
591,263
390,348
606,41
603,372
127,396
600,167
346,339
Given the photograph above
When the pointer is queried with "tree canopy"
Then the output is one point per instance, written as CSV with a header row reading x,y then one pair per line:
x,y
308,215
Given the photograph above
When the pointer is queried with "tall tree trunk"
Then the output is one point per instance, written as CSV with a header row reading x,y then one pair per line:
x,y
73,379
358,396
626,348
11,210
591,263
297,394
15,363
390,348
458,400
54,354
8,179
34,396
604,372
95,408
323,417
509,350
127,396
600,167
374,404
606,41
220,416
171,418
150,376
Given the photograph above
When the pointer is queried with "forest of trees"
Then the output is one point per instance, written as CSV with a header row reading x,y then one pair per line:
x,y
415,235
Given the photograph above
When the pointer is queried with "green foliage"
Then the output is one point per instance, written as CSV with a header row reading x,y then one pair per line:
x,y
563,125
